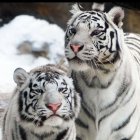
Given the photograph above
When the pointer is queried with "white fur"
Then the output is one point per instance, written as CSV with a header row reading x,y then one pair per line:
x,y
75,11
51,94
117,12
97,98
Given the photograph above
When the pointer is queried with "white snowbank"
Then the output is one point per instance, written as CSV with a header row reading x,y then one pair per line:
x,y
24,28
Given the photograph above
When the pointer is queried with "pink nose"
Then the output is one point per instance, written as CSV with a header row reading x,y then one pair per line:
x,y
54,107
76,48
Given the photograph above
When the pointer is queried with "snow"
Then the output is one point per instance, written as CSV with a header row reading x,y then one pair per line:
x,y
26,28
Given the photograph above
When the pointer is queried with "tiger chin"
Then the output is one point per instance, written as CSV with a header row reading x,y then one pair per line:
x,y
105,67
43,106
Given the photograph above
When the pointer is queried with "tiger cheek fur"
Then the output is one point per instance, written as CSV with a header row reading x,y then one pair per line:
x,y
104,64
43,106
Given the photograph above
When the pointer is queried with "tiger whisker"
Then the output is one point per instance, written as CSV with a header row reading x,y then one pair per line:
x,y
100,62
96,65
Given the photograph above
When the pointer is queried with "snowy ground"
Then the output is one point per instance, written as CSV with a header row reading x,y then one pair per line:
x,y
26,28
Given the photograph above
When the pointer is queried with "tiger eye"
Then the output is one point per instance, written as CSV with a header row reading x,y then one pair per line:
x,y
60,89
95,32
35,85
73,30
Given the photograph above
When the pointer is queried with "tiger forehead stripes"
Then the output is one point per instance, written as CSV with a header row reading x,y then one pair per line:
x,y
44,106
105,67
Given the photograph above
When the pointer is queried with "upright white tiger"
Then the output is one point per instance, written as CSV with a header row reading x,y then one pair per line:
x,y
105,67
43,107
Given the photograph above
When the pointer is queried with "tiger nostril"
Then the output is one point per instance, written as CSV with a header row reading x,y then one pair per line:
x,y
54,107
82,46
76,48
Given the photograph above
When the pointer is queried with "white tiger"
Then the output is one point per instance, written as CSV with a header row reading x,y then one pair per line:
x,y
43,107
105,66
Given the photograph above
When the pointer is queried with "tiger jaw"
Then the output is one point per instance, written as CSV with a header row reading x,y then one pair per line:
x,y
102,59
49,121
50,118
54,118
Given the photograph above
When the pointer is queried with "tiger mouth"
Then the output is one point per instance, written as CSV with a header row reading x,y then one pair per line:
x,y
54,115
44,118
76,59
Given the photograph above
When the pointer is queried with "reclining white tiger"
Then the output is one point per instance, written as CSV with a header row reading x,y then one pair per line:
x,y
43,107
105,67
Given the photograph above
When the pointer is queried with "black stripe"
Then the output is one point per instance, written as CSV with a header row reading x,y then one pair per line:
x,y
130,97
82,16
111,39
99,15
4,122
20,109
95,18
91,12
133,38
72,24
78,138
98,25
117,41
130,43
81,123
134,131
130,137
121,90
75,99
83,103
137,60
13,138
69,134
20,102
88,113
125,122
62,134
22,133
105,116
134,49
106,25
16,130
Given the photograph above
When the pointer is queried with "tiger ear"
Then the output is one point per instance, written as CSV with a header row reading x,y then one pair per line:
x,y
117,15
75,8
75,12
98,6
20,76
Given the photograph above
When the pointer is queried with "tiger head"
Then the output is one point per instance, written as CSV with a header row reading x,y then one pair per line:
x,y
94,38
46,97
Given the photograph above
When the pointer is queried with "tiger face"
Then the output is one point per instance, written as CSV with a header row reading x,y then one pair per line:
x,y
92,38
46,97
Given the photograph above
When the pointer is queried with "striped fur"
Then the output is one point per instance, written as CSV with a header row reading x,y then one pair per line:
x,y
106,73
29,116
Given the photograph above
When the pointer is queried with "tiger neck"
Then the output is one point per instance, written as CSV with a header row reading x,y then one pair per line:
x,y
97,78
102,79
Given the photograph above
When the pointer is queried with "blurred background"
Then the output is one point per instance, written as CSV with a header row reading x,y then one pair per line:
x,y
32,34
58,12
